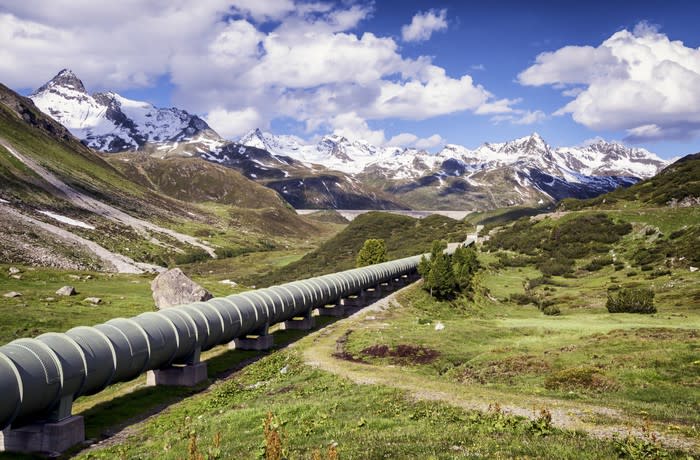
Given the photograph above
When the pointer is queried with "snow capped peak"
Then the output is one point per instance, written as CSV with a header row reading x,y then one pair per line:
x,y
112,123
64,79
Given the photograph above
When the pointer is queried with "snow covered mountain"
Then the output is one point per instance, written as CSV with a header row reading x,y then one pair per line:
x,y
338,172
111,123
523,171
354,157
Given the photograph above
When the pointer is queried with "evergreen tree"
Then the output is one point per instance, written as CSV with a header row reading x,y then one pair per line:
x,y
372,252
465,265
441,278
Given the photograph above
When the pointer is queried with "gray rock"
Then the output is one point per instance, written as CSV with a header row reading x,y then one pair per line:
x,y
74,277
14,270
66,291
93,300
16,277
13,294
173,288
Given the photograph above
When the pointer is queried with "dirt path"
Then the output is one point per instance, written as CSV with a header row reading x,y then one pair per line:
x,y
98,207
565,414
112,261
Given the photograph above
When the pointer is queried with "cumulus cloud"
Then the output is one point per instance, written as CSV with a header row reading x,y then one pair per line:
x,y
307,63
423,25
411,140
234,123
640,81
429,142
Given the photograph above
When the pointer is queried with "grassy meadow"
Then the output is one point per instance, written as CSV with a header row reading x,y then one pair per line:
x,y
489,376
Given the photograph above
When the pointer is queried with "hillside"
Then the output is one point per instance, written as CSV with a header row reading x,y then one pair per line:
x,y
404,236
63,205
676,185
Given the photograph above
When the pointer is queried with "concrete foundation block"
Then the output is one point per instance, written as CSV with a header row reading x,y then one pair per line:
x,y
353,301
299,324
48,438
259,343
181,376
336,311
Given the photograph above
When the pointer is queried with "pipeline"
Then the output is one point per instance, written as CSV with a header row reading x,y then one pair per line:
x,y
41,377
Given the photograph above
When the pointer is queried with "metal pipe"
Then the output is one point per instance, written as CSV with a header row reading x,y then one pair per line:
x,y
38,375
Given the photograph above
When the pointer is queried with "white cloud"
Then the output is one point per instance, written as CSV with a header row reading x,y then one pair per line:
x,y
402,140
531,117
307,63
263,10
429,142
411,140
520,117
423,25
353,126
640,81
232,124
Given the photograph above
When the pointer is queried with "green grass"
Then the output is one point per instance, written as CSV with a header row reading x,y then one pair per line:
x,y
35,313
404,236
642,365
315,409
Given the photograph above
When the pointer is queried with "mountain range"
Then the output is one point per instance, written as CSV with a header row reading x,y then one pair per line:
x,y
337,172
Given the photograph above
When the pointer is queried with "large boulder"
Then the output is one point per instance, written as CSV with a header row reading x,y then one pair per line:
x,y
66,291
173,288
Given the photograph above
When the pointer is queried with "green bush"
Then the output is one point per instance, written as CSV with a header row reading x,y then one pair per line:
x,y
579,378
373,251
631,300
598,262
551,310
521,299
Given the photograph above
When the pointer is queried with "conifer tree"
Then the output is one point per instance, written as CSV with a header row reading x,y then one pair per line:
x,y
372,252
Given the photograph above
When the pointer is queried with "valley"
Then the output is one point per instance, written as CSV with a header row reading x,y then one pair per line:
x,y
528,362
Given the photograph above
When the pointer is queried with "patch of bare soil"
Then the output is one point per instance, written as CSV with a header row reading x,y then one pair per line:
x,y
403,354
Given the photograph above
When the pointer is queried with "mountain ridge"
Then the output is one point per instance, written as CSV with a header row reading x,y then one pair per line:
x,y
336,171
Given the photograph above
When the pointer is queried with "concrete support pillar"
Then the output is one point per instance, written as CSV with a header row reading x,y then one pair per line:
x,y
187,375
337,310
373,293
260,340
47,438
388,287
180,376
353,301
302,323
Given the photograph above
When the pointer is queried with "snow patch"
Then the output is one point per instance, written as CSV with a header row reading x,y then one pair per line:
x,y
67,220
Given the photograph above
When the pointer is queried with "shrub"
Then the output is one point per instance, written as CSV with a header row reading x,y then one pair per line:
x,y
659,272
579,378
631,300
521,299
373,252
556,266
597,263
551,310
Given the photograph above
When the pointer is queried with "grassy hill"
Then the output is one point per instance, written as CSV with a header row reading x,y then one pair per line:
x,y
677,182
195,180
404,236
148,210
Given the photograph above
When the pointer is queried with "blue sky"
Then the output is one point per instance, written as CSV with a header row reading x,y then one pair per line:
x,y
413,73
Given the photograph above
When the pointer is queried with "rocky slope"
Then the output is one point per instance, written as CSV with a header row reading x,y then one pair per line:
x,y
63,205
